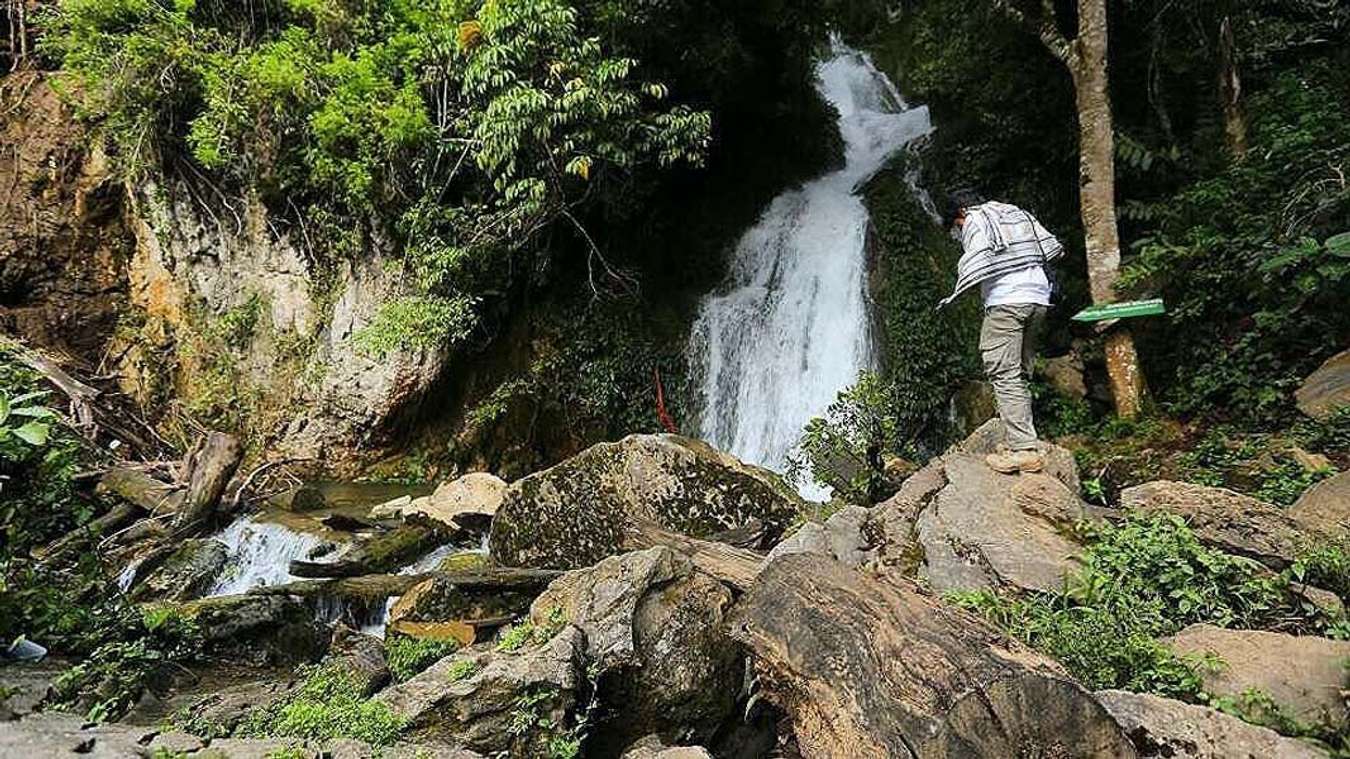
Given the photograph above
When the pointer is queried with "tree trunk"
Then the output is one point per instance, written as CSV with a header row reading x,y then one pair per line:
x,y
1230,92
209,471
867,668
1087,63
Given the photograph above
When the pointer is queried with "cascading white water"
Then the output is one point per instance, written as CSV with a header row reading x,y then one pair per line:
x,y
259,554
790,329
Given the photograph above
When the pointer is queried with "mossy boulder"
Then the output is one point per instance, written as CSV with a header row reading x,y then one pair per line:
x,y
577,513
186,574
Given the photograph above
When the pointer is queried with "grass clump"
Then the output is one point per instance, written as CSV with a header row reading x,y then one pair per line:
x,y
327,705
408,656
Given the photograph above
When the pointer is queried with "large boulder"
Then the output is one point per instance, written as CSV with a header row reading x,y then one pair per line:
x,y
846,536
467,503
441,599
186,574
656,640
1326,390
960,525
1325,508
494,700
651,747
1162,728
579,511
1230,521
263,629
1304,674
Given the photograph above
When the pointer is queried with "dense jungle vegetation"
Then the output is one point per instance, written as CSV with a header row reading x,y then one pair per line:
x,y
581,166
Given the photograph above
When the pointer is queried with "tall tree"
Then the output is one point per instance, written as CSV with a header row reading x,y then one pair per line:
x,y
1085,56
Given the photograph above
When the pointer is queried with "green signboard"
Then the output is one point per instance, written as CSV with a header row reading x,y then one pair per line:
x,y
1120,310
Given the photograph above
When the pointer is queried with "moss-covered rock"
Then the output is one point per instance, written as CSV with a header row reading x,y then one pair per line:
x,y
576,513
186,574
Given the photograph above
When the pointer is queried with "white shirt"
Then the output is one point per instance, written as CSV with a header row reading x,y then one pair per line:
x,y
1028,286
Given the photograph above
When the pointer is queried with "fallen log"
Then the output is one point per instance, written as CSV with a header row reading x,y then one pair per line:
x,y
380,586
736,567
140,489
387,552
210,468
867,668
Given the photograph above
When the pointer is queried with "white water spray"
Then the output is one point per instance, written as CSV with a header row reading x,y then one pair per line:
x,y
790,329
260,553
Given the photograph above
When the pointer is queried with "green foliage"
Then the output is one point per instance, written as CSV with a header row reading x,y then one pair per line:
x,y
1259,708
525,634
408,656
842,450
420,323
461,670
114,676
1325,565
1252,259
1140,580
925,353
466,128
328,704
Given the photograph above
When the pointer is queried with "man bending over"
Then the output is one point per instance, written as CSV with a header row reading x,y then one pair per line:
x,y
1005,252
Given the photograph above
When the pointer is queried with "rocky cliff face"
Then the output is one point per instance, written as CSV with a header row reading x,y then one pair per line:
x,y
190,292
64,245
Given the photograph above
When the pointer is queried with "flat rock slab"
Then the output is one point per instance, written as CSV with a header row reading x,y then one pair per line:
x,y
651,747
1326,389
1305,674
1162,728
1232,522
1325,507
580,511
845,536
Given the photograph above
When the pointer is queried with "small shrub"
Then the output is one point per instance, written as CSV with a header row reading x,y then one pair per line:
x,y
527,633
409,656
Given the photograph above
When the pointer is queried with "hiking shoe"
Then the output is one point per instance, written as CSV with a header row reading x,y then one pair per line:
x,y
1012,462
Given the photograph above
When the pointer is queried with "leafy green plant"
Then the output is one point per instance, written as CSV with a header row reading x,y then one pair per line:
x,y
461,670
328,704
527,633
408,656
25,425
1141,580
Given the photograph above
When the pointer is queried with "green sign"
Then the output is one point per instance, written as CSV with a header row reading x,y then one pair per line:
x,y
1121,310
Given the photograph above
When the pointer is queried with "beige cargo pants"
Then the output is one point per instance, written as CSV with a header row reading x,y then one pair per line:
x,y
1008,341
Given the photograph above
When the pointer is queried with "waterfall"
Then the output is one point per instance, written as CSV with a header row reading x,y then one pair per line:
x,y
259,553
774,346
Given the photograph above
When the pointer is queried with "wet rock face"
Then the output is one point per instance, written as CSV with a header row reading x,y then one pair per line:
x,y
655,636
1163,728
259,628
187,574
577,512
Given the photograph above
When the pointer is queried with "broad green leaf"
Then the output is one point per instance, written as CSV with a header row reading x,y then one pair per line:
x,y
33,412
33,433
1339,245
4,408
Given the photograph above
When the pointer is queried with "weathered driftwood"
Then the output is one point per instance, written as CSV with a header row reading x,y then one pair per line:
x,y
379,586
136,487
869,668
737,567
382,554
209,469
